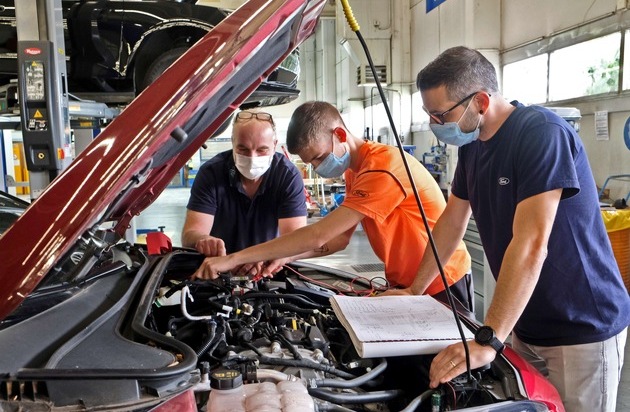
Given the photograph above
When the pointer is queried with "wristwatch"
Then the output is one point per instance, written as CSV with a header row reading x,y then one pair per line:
x,y
485,336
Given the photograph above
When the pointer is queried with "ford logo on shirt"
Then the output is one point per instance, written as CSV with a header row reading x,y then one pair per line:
x,y
504,181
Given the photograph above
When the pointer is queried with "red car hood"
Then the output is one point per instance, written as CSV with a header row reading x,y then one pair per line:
x,y
127,166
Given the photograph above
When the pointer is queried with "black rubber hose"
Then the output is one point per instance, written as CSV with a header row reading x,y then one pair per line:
x,y
214,346
290,347
354,398
291,307
305,363
352,383
268,295
212,328
253,348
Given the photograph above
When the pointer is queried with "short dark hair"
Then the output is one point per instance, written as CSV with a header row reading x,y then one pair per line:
x,y
461,70
308,122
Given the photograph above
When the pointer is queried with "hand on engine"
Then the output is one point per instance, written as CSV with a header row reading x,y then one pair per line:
x,y
212,266
249,269
272,267
451,362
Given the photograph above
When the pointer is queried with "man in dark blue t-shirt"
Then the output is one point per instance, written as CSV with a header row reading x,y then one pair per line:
x,y
244,196
524,174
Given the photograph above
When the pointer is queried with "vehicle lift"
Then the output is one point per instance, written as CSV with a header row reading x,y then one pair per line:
x,y
43,90
46,114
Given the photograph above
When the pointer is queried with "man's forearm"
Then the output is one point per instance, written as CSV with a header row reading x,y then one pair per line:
x,y
296,243
523,260
190,238
517,279
305,240
328,248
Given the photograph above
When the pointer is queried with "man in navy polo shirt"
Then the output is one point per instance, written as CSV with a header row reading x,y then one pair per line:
x,y
244,196
524,174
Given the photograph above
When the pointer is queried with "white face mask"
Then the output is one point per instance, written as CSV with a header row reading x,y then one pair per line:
x,y
252,167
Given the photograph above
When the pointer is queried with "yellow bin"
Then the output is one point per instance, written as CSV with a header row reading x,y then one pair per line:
x,y
617,224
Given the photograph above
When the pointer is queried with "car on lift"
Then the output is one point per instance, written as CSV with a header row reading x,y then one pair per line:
x,y
116,48
91,320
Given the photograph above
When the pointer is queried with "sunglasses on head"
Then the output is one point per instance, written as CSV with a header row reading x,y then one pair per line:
x,y
245,115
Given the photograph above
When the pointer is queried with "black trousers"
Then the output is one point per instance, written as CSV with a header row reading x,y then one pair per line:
x,y
463,293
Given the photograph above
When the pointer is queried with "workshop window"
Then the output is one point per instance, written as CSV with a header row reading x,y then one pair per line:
x,y
626,60
526,80
585,69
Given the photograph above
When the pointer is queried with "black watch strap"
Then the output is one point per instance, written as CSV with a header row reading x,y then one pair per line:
x,y
485,336
497,344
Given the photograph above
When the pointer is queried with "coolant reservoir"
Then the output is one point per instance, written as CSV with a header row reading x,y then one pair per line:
x,y
227,394
230,395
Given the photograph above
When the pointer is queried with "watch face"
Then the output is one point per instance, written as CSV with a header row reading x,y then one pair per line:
x,y
484,334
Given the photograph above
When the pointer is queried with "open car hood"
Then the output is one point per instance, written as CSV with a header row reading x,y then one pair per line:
x,y
129,164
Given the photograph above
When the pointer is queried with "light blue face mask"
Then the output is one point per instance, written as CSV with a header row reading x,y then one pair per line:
x,y
332,165
450,133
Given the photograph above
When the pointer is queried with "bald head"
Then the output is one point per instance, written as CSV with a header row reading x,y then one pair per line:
x,y
253,137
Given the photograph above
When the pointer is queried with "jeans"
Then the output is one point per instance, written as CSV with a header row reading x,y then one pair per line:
x,y
586,376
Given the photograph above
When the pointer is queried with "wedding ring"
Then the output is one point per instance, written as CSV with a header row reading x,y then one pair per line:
x,y
453,364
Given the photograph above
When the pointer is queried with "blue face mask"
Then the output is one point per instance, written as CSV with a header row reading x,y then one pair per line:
x,y
450,133
333,166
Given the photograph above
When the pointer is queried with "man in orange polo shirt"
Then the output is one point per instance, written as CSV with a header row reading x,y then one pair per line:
x,y
378,195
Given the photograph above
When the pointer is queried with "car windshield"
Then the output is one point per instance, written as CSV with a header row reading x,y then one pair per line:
x,y
11,208
9,201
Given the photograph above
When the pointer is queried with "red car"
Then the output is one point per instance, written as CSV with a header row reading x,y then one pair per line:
x,y
89,321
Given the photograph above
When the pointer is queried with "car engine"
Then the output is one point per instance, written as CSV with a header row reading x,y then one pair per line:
x,y
279,330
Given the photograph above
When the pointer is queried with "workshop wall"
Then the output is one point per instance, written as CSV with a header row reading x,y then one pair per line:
x,y
502,29
404,37
559,21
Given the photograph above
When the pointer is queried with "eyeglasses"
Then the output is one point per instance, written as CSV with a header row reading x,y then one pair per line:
x,y
245,115
439,117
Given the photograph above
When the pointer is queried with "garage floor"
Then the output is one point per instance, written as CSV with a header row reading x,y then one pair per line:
x,y
169,211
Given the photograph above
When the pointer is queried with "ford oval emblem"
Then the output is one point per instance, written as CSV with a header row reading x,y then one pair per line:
x,y
504,181
33,51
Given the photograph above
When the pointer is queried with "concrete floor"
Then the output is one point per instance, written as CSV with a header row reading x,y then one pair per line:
x,y
169,211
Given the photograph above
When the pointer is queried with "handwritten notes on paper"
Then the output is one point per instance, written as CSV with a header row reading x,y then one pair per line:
x,y
397,325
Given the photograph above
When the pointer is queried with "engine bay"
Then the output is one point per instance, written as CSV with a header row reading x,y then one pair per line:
x,y
284,329
116,326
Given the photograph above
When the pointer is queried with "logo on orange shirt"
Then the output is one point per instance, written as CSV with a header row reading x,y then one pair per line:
x,y
360,193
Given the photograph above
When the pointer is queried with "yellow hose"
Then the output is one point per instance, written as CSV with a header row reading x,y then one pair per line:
x,y
347,11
